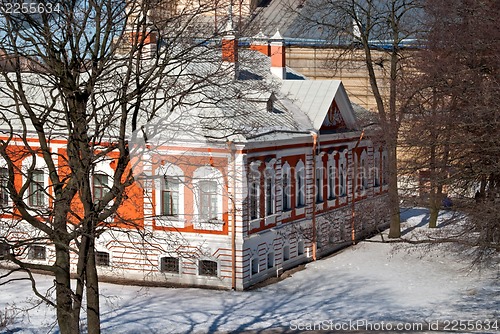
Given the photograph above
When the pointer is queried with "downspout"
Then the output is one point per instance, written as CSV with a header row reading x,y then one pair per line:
x,y
233,215
314,232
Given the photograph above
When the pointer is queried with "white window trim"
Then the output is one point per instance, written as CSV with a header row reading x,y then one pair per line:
x,y
363,169
343,174
320,188
376,168
331,163
285,169
300,174
270,174
39,165
169,170
207,173
254,172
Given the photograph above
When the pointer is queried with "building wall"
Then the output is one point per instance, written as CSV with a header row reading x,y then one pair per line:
x,y
263,247
319,64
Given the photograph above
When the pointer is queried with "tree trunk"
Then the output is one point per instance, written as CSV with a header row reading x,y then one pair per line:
x,y
395,227
68,323
92,285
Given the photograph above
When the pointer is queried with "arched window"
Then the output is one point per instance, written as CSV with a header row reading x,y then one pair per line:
x,y
343,173
169,194
208,189
254,190
376,168
319,178
102,179
331,171
38,179
269,184
286,188
300,184
363,171
4,183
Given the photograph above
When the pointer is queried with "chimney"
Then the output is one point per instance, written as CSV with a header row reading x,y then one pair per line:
x,y
260,42
230,45
278,65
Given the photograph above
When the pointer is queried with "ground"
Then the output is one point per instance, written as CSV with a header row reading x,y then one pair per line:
x,y
369,286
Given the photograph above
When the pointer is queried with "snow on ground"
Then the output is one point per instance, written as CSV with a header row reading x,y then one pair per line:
x,y
374,282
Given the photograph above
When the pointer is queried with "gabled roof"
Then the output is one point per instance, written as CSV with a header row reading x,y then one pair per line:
x,y
314,98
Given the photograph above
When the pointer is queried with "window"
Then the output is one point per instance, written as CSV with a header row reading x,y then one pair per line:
x,y
37,253
169,265
208,200
363,171
4,250
300,184
36,189
286,189
254,196
100,185
376,169
319,184
342,180
269,184
170,196
331,182
102,259
207,268
300,248
286,253
4,191
270,260
255,266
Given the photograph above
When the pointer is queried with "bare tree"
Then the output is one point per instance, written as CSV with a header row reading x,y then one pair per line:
x,y
454,111
78,80
379,32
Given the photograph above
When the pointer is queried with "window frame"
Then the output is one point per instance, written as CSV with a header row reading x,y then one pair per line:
x,y
254,196
36,189
174,195
343,174
99,190
102,259
4,191
164,267
35,252
300,184
286,185
204,270
201,176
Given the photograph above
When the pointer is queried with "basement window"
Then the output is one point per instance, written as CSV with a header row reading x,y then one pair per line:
x,y
102,259
169,265
37,253
207,268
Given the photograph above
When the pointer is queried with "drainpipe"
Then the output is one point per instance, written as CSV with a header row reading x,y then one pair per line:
x,y
233,215
353,211
314,233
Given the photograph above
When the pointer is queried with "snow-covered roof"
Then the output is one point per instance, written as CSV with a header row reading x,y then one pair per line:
x,y
251,106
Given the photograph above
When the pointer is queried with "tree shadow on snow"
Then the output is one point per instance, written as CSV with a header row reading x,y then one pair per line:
x,y
271,309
